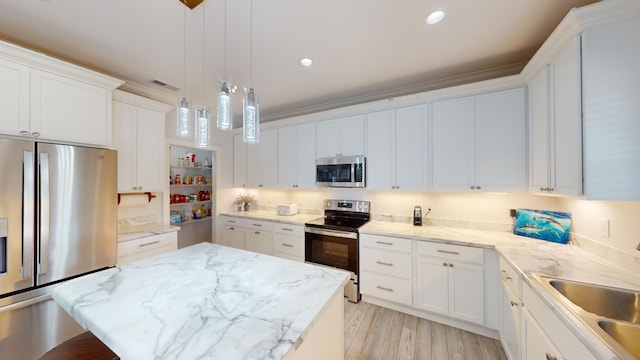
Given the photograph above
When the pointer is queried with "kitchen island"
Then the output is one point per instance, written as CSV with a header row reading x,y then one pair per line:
x,y
212,302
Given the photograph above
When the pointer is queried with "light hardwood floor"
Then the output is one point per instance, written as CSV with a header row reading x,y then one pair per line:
x,y
373,332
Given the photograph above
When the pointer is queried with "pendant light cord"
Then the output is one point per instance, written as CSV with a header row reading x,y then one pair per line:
x,y
225,40
251,45
184,53
203,23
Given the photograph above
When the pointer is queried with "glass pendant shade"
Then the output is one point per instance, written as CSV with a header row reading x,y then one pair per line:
x,y
183,124
203,130
224,108
250,118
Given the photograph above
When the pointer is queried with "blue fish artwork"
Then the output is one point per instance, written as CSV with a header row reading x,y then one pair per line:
x,y
546,225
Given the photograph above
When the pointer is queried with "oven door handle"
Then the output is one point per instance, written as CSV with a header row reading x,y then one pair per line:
x,y
335,233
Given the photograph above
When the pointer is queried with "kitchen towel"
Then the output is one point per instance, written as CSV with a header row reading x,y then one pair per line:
x,y
546,225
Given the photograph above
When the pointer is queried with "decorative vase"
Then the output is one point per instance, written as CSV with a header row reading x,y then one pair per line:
x,y
246,206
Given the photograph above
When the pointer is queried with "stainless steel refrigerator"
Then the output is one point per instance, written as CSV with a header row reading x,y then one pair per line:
x,y
58,214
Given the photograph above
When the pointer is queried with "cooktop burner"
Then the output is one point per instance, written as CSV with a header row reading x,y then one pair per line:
x,y
343,215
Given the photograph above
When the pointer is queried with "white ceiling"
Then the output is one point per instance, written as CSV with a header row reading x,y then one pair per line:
x,y
361,49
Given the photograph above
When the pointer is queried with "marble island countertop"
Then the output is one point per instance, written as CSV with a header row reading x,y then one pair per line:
x,y
201,302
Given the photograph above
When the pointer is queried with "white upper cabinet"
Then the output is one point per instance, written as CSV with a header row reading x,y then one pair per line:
x,y
340,137
262,161
68,110
611,76
14,98
555,129
46,99
138,135
296,156
453,144
478,142
396,149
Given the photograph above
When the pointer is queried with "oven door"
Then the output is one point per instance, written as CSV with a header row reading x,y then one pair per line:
x,y
332,248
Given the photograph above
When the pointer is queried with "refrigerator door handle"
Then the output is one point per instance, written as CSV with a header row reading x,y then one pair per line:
x,y
28,207
43,254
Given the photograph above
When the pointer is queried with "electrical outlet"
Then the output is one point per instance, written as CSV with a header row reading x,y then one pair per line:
x,y
604,228
512,213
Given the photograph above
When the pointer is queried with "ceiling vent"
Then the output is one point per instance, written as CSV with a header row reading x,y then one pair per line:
x,y
165,85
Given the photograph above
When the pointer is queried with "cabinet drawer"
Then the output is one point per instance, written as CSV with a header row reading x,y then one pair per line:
x,y
386,287
385,243
554,328
453,252
385,262
510,277
148,243
232,221
258,225
292,245
288,229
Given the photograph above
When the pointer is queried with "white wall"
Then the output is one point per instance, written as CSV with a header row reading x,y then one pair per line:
x,y
624,221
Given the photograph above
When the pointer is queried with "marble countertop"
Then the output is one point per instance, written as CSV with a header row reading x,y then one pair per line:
x,y
201,302
297,219
144,230
531,257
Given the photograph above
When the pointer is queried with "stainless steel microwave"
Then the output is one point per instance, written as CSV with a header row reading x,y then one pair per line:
x,y
346,172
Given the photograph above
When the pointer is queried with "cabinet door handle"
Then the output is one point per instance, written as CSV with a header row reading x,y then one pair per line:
x,y
384,243
445,264
450,265
35,134
287,229
550,357
232,228
257,232
473,187
449,252
287,245
384,263
24,133
514,303
384,288
149,243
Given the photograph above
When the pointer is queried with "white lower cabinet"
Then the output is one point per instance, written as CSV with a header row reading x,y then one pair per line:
x,y
232,232
511,329
288,241
386,268
538,344
258,236
450,279
138,249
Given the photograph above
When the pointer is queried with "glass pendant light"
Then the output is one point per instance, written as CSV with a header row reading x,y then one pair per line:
x,y
202,117
250,107
250,118
183,112
203,131
224,107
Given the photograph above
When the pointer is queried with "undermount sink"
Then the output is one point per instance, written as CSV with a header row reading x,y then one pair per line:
x,y
609,302
613,314
628,335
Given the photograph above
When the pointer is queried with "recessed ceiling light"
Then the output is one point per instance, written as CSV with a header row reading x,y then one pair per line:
x,y
306,62
435,17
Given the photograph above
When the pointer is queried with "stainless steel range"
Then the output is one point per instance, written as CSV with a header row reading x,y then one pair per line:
x,y
332,240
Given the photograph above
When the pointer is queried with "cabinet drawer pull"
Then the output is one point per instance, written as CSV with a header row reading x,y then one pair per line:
x,y
257,232
384,288
149,243
232,228
504,274
384,243
231,221
287,229
258,225
287,245
449,252
550,357
384,263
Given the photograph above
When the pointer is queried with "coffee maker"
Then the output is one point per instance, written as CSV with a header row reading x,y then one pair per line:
x,y
417,216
